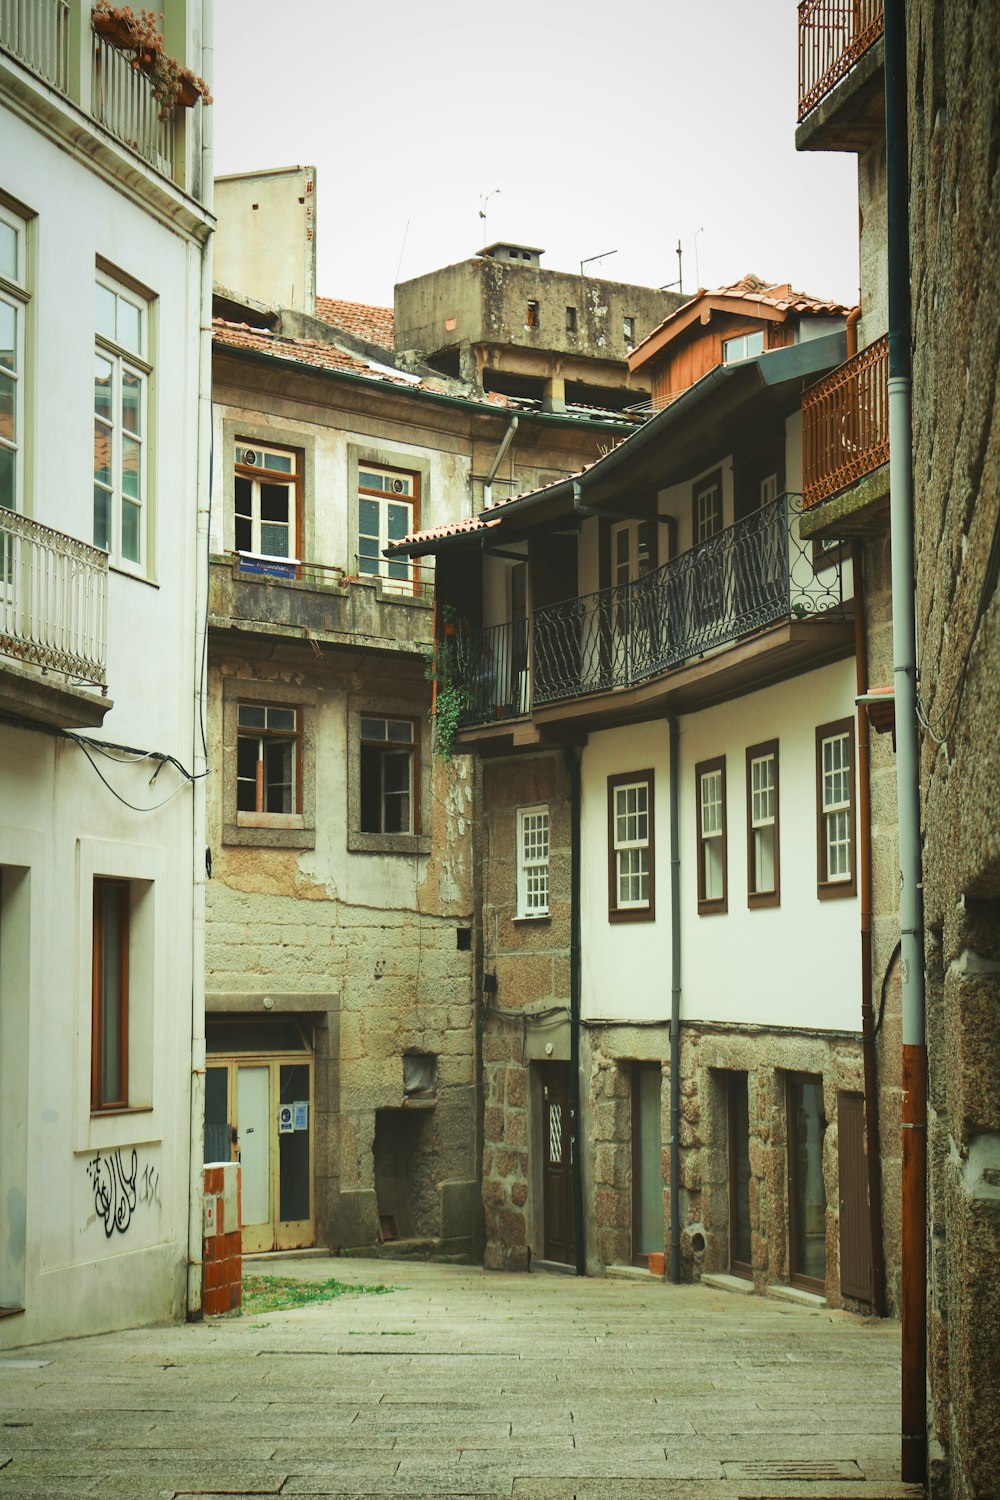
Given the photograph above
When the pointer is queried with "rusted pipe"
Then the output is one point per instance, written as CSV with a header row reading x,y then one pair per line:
x,y
851,329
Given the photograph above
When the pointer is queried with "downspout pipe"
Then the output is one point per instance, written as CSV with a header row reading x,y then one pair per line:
x,y
675,1004
911,923
505,443
572,756
873,1153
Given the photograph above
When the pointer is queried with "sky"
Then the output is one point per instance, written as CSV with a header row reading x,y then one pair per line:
x,y
623,127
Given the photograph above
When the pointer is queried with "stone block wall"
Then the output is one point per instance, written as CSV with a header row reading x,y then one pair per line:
x,y
222,1245
954,123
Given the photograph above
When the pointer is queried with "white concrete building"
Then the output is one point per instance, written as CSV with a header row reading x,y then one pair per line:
x,y
104,267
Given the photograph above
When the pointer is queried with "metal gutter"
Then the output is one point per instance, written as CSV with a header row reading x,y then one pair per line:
x,y
572,757
675,1005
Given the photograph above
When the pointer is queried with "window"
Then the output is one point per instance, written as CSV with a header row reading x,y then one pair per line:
x,y
109,1027
388,754
762,825
743,346
13,301
707,507
266,501
835,874
571,320
387,511
268,760
629,330
710,784
121,457
630,847
533,317
532,862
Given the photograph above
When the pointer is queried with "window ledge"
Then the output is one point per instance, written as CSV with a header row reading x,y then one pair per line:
x,y
121,1109
151,583
269,820
534,916
268,836
631,914
836,890
389,843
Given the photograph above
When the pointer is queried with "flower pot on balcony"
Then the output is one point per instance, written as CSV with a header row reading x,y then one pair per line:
x,y
120,32
187,94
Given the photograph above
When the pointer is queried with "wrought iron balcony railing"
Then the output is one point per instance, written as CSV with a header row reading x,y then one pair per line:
x,y
751,575
833,34
53,599
37,32
845,424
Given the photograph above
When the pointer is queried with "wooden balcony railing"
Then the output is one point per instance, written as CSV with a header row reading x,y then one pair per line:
x,y
53,599
37,32
845,424
833,34
122,100
742,579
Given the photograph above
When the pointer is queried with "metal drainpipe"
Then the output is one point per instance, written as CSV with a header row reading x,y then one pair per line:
x,y
873,1153
505,443
675,1006
914,1102
572,757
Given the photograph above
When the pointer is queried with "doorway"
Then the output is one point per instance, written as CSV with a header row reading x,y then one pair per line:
x,y
855,1226
559,1242
647,1163
259,1111
738,1113
806,1189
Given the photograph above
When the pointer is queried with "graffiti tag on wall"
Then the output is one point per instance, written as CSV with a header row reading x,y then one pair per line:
x,y
115,1190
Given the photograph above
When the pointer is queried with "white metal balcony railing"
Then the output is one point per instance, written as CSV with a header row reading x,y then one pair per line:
x,y
53,599
122,100
37,32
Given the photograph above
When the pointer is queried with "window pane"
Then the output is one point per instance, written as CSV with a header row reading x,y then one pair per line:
x,y
102,453
8,408
279,772
253,715
110,935
103,370
8,328
102,519
247,750
281,718
368,518
396,771
371,789
369,481
373,729
400,730
131,468
129,326
130,531
755,343
131,401
274,502
105,311
274,540
399,522
7,461
283,462
8,251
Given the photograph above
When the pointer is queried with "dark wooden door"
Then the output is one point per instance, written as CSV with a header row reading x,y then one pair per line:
x,y
855,1237
557,1195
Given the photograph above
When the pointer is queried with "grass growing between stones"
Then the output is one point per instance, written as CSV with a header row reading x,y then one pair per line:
x,y
276,1293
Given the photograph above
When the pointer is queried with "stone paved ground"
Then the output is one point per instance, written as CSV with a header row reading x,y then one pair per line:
x,y
464,1383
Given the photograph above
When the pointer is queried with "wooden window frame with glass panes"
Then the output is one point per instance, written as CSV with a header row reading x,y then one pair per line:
x,y
388,741
763,849
268,763
267,502
388,510
836,864
13,311
532,863
121,425
631,865
713,894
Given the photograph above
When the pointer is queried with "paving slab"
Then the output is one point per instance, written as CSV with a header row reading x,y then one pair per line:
x,y
461,1383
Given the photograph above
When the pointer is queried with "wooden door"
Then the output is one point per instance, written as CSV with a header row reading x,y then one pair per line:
x,y
557,1195
855,1236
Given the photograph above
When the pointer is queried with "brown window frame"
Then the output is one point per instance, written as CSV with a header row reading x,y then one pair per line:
x,y
367,492
715,905
827,889
252,732
253,471
99,1100
758,898
413,746
646,913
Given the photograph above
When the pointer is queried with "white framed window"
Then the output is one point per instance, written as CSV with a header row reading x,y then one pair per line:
x,y
630,846
532,862
836,873
743,346
762,824
388,502
710,782
13,309
388,775
266,501
121,425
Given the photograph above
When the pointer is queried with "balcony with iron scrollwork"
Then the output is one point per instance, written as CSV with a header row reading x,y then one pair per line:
x,y
845,442
731,588
53,625
840,64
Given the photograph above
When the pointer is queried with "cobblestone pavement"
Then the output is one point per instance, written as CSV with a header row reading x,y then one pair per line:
x,y
465,1383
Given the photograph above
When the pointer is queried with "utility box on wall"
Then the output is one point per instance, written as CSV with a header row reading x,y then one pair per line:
x,y
222,1239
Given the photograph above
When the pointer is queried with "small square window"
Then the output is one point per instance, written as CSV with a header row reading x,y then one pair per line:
x,y
533,315
571,320
109,1029
629,330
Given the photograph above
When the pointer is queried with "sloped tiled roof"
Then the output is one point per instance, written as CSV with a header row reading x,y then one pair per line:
x,y
373,324
301,351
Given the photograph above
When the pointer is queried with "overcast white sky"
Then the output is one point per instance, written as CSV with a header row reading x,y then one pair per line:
x,y
621,126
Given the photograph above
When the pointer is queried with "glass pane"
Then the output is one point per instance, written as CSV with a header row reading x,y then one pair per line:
x,y
243,497
8,251
283,462
397,814
274,504
252,714
102,519
8,460
368,518
805,1132
131,468
274,540
293,1146
281,718
8,408
8,328
399,522
373,729
755,342
279,771
102,453
397,771
130,531
218,1131
368,549
649,1166
131,400
400,730
371,789
103,372
105,311
243,537
369,481
129,326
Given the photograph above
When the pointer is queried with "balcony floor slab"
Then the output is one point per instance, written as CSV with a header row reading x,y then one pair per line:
x,y
47,698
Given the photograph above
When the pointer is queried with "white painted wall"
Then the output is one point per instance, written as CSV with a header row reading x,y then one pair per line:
x,y
59,823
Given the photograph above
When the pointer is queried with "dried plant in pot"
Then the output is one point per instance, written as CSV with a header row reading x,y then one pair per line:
x,y
137,33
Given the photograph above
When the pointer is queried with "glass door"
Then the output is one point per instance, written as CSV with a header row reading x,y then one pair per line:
x,y
806,1189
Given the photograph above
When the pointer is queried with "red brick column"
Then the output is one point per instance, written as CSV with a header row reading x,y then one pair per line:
x,y
222,1242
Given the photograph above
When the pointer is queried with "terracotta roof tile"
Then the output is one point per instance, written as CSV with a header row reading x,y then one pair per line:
x,y
751,288
301,351
373,324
